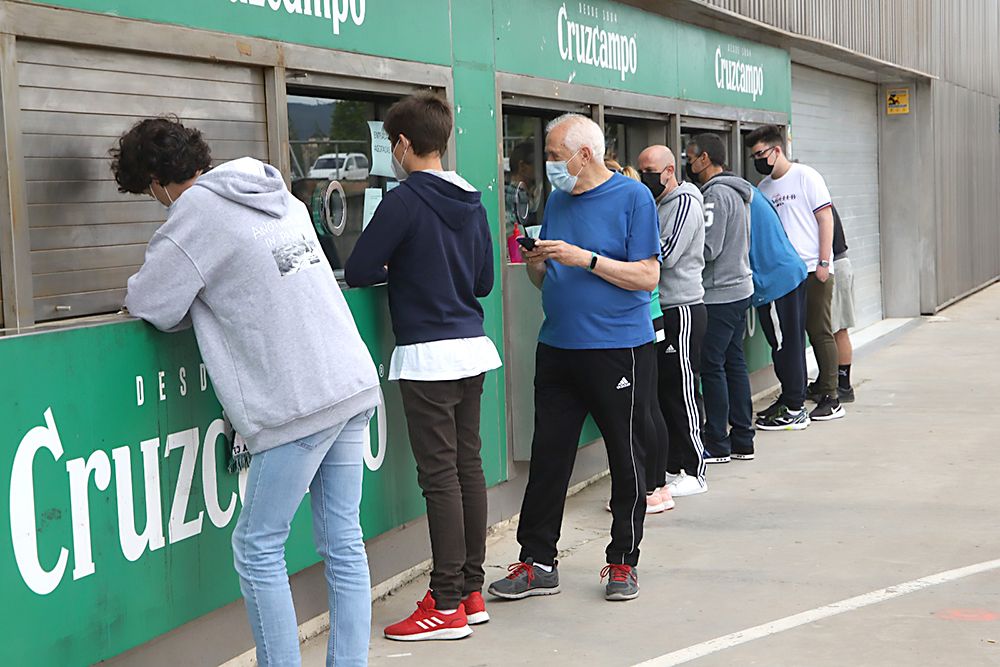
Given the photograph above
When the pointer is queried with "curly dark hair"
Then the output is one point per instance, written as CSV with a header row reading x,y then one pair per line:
x,y
161,149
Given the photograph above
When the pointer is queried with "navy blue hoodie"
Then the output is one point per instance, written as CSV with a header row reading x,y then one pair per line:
x,y
434,238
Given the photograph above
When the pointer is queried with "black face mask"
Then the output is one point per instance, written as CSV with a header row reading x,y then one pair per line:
x,y
689,173
652,181
762,167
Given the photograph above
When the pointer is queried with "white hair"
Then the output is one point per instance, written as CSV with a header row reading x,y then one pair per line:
x,y
581,132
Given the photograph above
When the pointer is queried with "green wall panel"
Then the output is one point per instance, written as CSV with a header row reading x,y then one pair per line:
x,y
379,27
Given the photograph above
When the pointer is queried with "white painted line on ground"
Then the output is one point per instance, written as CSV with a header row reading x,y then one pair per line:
x,y
690,653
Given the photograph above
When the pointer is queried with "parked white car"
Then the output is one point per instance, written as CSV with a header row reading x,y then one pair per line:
x,y
341,167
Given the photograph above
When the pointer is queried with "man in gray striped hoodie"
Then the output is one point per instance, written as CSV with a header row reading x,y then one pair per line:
x,y
679,464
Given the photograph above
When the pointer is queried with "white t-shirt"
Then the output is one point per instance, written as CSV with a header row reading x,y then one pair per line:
x,y
439,360
798,196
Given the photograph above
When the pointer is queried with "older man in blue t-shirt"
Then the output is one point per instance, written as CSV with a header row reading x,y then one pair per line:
x,y
597,262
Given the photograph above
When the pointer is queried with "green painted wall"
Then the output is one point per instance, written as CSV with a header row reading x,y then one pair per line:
x,y
380,27
608,45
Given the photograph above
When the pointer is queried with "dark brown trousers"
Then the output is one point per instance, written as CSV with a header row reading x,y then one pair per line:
x,y
443,422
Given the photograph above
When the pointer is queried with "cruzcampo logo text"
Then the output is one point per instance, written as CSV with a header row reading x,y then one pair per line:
x,y
335,11
733,73
111,473
594,45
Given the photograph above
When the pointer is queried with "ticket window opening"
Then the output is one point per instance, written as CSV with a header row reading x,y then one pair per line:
x,y
625,138
334,170
526,187
749,171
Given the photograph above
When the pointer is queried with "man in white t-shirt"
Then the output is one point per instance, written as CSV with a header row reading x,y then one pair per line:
x,y
803,202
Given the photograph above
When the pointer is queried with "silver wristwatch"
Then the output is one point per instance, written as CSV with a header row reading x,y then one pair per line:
x,y
824,263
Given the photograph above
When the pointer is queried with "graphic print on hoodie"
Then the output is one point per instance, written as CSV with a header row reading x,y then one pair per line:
x,y
239,259
429,238
727,276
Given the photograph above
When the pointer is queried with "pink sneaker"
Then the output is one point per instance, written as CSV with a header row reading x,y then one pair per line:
x,y
668,501
659,501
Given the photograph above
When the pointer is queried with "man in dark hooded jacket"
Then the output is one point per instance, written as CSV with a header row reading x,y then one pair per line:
x,y
728,284
430,240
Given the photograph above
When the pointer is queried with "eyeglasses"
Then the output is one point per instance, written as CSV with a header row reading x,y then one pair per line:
x,y
766,152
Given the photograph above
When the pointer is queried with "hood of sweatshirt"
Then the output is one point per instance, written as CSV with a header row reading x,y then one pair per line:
x,y
684,188
741,186
251,183
454,205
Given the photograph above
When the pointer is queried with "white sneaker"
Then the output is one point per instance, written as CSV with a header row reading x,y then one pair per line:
x,y
671,478
687,485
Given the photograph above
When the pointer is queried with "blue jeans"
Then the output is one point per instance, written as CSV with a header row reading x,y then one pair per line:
x,y
725,382
331,463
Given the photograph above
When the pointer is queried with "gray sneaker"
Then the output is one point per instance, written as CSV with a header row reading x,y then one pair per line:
x,y
623,582
525,580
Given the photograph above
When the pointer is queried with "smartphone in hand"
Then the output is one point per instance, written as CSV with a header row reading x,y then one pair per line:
x,y
526,242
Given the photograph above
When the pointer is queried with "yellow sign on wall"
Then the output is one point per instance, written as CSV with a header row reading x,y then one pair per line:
x,y
897,101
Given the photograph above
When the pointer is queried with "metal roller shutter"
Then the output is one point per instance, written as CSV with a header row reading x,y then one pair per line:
x,y
835,130
86,237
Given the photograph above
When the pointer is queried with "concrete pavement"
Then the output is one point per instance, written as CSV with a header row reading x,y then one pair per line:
x,y
907,485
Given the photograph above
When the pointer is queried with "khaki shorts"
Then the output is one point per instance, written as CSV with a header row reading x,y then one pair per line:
x,y
842,307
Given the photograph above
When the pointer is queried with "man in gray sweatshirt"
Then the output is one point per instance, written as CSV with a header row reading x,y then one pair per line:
x,y
678,464
728,284
238,260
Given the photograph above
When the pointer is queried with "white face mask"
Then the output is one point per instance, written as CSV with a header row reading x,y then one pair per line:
x,y
397,165
165,191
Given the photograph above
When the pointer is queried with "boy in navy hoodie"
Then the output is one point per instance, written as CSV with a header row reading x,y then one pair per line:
x,y
431,241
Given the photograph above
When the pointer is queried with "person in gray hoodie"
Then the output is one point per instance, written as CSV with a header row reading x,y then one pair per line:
x,y
677,467
728,284
238,260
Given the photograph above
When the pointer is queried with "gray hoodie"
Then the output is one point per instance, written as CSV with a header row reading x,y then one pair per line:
x,y
727,276
239,260
682,242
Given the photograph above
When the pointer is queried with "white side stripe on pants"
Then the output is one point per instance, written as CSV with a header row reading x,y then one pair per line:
x,y
773,312
687,382
631,448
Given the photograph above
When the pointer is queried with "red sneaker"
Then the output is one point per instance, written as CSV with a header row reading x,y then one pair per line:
x,y
428,623
475,609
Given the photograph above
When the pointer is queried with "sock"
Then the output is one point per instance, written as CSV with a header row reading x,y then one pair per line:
x,y
545,568
448,612
844,376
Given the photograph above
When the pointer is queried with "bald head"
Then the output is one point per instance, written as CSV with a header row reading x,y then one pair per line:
x,y
656,158
658,170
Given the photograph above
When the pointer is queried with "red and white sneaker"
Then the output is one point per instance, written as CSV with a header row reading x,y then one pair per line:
x,y
475,609
428,623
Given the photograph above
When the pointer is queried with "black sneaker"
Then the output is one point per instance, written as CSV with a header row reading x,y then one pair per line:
x,y
813,393
845,395
716,458
743,456
525,580
785,420
827,409
623,582
771,410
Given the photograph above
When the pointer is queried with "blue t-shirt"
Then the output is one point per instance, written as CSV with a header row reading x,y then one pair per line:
x,y
617,219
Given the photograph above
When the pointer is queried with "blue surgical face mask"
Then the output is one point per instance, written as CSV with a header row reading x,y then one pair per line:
x,y
559,176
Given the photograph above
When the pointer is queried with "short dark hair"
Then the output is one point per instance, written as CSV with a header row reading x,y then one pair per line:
x,y
522,153
425,119
768,134
711,144
161,149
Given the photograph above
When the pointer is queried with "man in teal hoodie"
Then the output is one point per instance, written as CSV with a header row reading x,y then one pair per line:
x,y
238,260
